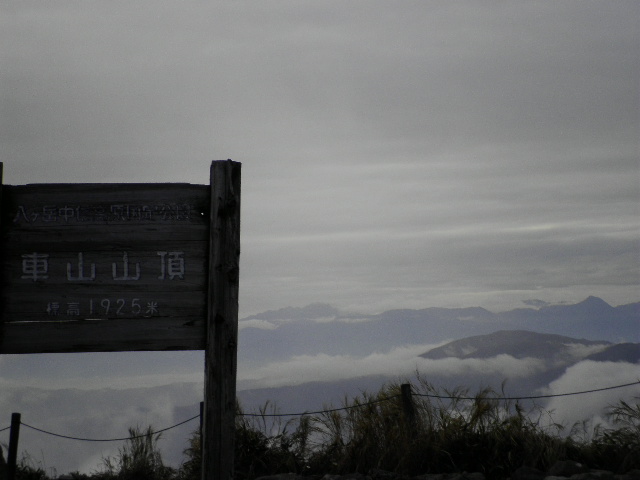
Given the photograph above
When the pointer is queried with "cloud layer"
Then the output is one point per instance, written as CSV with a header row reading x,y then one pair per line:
x,y
587,375
429,154
439,154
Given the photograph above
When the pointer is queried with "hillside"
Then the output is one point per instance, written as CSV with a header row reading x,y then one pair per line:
x,y
520,344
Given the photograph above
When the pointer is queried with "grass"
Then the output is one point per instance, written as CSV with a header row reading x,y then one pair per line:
x,y
138,459
450,431
439,432
448,435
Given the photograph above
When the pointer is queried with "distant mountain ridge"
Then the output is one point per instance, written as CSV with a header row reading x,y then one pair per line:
x,y
321,328
309,312
528,347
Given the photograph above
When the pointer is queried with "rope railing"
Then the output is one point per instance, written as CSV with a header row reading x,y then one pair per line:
x,y
318,412
331,410
440,397
109,439
532,397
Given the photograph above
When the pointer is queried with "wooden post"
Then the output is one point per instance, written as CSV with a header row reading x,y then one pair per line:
x,y
1,262
1,182
408,407
222,323
12,455
200,427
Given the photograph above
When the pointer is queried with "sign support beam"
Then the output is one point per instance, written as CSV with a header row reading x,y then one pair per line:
x,y
222,323
1,267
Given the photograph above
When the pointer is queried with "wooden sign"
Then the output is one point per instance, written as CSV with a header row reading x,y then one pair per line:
x,y
117,267
101,267
107,267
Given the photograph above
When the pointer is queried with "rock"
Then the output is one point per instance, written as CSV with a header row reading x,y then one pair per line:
x,y
527,473
355,476
630,475
348,476
453,476
377,473
566,468
281,476
594,475
563,470
473,476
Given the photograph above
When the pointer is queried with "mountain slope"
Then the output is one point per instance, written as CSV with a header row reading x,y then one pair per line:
x,y
518,344
623,352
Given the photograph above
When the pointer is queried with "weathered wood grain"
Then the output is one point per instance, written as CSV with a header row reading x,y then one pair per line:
x,y
74,253
130,334
1,265
222,324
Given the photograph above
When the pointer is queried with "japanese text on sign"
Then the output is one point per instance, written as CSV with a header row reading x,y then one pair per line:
x,y
171,266
104,213
103,308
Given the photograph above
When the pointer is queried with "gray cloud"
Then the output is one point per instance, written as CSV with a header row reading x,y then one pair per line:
x,y
536,303
593,407
433,154
401,362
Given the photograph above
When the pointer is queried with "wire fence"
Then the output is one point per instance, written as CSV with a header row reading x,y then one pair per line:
x,y
440,397
331,410
108,439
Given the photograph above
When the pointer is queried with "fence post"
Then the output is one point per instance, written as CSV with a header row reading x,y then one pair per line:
x,y
408,407
201,421
12,455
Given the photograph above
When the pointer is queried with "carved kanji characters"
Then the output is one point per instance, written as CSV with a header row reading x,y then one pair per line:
x,y
171,265
35,266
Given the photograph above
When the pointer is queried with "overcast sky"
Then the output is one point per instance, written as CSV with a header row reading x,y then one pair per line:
x,y
394,154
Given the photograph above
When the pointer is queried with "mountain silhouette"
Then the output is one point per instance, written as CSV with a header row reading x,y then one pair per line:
x,y
321,328
623,352
516,343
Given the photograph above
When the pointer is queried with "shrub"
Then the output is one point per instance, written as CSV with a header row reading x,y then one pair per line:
x,y
618,448
265,444
191,469
138,459
451,432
